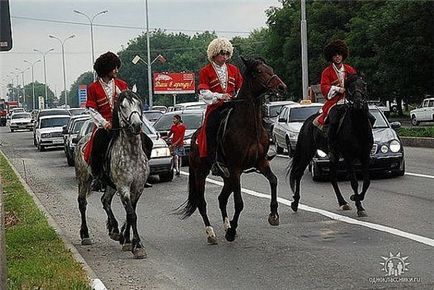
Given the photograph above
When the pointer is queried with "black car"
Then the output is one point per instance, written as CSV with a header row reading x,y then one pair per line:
x,y
387,154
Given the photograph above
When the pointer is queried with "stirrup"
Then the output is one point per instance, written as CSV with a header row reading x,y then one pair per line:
x,y
219,169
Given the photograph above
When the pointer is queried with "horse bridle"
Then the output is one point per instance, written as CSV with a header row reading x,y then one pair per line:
x,y
127,120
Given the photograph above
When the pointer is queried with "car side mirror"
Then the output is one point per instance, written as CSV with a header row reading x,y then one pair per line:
x,y
282,120
395,125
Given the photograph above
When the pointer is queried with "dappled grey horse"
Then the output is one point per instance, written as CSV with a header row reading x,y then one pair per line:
x,y
126,169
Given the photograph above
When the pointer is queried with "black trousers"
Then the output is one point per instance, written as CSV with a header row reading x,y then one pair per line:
x,y
212,127
99,149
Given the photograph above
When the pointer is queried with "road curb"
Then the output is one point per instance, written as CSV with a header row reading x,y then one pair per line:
x,y
3,269
95,282
418,142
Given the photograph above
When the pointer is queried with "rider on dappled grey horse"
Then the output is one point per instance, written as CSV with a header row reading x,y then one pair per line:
x,y
102,96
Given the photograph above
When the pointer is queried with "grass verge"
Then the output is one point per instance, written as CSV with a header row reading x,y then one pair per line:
x,y
416,132
36,256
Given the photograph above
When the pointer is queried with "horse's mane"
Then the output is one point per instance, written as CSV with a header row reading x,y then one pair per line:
x,y
251,64
126,94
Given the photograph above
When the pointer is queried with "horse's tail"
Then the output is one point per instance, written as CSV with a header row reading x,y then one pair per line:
x,y
303,153
194,194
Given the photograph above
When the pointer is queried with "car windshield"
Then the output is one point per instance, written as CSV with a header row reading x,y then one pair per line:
x,y
152,116
53,112
273,111
21,116
54,122
148,129
191,121
77,111
380,121
300,114
77,126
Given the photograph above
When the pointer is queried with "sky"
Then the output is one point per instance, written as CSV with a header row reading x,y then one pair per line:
x,y
34,20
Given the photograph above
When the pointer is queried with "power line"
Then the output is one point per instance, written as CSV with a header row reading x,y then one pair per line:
x,y
126,26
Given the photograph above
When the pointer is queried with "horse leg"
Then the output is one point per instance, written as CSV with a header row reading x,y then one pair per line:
x,y
125,231
83,189
112,223
223,201
343,204
239,205
265,169
201,205
357,198
131,220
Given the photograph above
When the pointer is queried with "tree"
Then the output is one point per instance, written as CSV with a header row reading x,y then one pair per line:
x,y
39,92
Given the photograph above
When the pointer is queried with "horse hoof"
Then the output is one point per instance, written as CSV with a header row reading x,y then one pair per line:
x,y
294,206
212,240
139,253
273,219
345,207
127,247
115,236
230,235
86,241
362,213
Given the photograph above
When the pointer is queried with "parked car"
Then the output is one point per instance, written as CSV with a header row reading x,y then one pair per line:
x,y
46,112
15,110
69,132
161,161
21,121
152,115
271,111
288,124
192,120
49,131
188,106
424,113
387,154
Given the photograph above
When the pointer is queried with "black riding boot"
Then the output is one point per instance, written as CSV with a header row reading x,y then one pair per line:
x,y
218,168
99,149
332,142
147,145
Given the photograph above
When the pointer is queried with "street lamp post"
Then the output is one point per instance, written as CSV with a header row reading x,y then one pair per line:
x,y
91,35
22,78
33,81
148,47
45,73
304,63
62,43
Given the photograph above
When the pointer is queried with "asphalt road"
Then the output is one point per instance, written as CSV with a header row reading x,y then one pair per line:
x,y
319,247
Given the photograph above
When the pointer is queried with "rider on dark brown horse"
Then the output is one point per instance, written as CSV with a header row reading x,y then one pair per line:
x,y
219,82
101,98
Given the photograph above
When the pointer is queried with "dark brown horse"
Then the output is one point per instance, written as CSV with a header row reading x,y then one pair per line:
x,y
245,144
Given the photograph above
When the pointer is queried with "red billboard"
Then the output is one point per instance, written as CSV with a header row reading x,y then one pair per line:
x,y
174,83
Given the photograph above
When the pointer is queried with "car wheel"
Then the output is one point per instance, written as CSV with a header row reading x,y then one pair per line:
x,y
314,172
166,177
12,130
401,172
414,122
41,147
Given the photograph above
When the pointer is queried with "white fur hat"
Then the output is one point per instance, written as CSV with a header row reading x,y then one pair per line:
x,y
217,45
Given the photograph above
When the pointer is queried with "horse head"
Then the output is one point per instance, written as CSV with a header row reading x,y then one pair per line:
x,y
127,113
356,91
261,77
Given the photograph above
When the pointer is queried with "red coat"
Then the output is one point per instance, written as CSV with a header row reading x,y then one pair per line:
x,y
97,99
329,78
208,80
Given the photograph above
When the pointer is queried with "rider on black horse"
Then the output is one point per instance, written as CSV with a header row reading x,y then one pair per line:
x,y
101,99
333,89
219,82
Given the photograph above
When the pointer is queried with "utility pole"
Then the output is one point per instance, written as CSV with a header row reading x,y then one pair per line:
x,y
304,63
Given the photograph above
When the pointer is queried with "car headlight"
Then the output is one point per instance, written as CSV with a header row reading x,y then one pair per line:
x,y
160,152
321,153
45,135
384,149
395,146
187,141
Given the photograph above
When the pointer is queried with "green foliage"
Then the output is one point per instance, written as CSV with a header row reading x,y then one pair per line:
x,y
84,79
36,256
417,132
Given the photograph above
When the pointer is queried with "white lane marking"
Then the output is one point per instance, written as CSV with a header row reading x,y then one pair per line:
x,y
393,231
98,285
407,173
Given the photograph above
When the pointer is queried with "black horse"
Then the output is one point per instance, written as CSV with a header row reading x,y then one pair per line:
x,y
245,144
354,142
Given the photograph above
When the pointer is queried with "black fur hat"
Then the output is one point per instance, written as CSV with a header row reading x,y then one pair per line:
x,y
105,63
336,47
